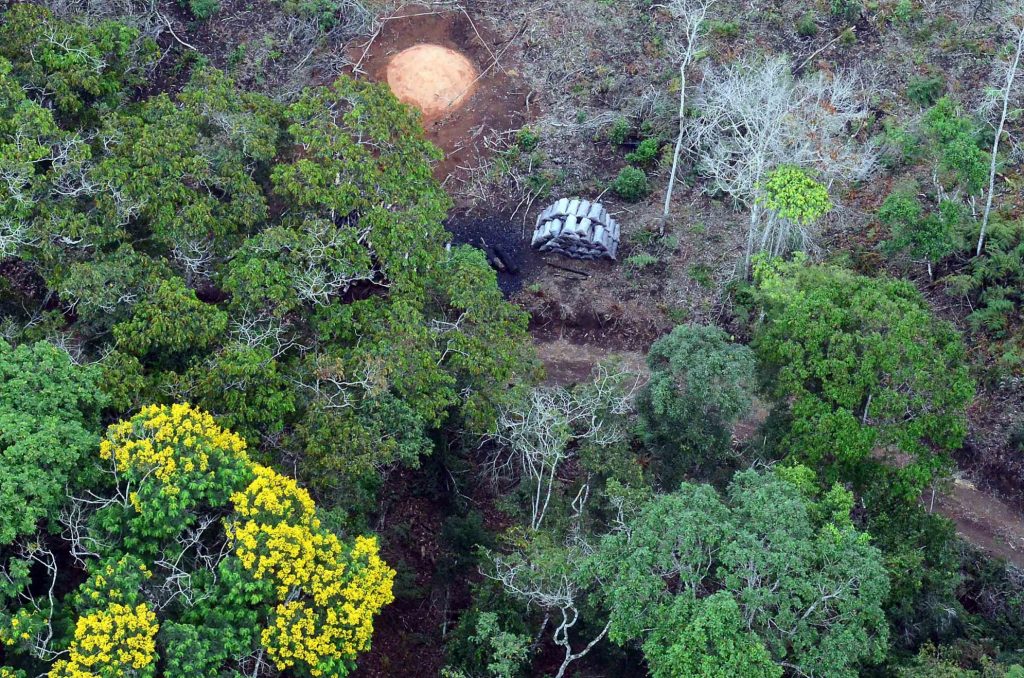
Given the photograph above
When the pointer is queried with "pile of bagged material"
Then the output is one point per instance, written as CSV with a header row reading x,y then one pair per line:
x,y
577,228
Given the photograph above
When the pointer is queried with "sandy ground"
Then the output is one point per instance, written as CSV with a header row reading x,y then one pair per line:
x,y
432,78
984,520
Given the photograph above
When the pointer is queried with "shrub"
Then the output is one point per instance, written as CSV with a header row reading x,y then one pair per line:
x,y
929,238
201,9
527,139
723,29
619,131
849,10
926,90
793,195
631,184
638,262
645,153
806,26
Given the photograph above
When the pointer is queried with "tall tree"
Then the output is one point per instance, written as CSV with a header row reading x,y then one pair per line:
x,y
700,384
771,578
861,366
179,555
49,422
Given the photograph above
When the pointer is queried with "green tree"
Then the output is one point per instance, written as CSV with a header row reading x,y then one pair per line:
x,y
769,574
706,638
860,365
928,238
700,384
365,163
956,137
49,420
169,324
73,66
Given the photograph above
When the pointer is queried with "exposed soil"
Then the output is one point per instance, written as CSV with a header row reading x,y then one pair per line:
x,y
432,78
566,363
984,521
498,102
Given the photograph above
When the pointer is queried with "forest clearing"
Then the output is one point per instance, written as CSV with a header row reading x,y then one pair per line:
x,y
505,338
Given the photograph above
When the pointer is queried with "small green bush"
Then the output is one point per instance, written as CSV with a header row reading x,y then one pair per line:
x,y
848,10
640,261
904,11
723,29
645,153
201,9
792,194
619,132
527,139
806,27
926,90
631,184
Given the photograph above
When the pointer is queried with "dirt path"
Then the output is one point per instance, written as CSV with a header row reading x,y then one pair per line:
x,y
984,521
567,363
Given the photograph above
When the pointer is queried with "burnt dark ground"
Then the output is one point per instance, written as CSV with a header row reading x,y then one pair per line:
x,y
490,231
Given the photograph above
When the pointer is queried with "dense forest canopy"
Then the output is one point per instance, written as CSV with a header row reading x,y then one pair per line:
x,y
266,411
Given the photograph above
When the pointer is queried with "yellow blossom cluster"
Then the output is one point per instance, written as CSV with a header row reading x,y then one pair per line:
x,y
114,641
327,597
16,629
168,441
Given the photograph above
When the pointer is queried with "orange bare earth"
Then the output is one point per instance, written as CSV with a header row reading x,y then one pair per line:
x,y
435,79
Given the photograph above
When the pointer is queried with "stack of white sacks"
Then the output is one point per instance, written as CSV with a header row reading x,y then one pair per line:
x,y
577,228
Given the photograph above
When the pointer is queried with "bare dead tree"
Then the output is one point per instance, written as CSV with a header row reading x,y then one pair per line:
x,y
549,578
755,116
534,435
691,13
1013,17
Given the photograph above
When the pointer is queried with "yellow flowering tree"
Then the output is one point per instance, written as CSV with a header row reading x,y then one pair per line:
x,y
326,593
197,561
116,641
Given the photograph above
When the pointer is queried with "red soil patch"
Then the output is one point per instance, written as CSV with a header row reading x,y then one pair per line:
x,y
432,78
496,103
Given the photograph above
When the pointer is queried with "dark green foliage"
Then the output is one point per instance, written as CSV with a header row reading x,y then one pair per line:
x,y
700,384
929,238
996,283
946,662
49,423
768,574
958,151
646,152
631,184
170,322
848,10
342,328
489,637
861,364
201,9
74,66
807,27
925,90
922,558
620,131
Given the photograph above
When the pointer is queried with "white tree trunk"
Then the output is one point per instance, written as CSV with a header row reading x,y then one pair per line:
x,y
678,148
1011,74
